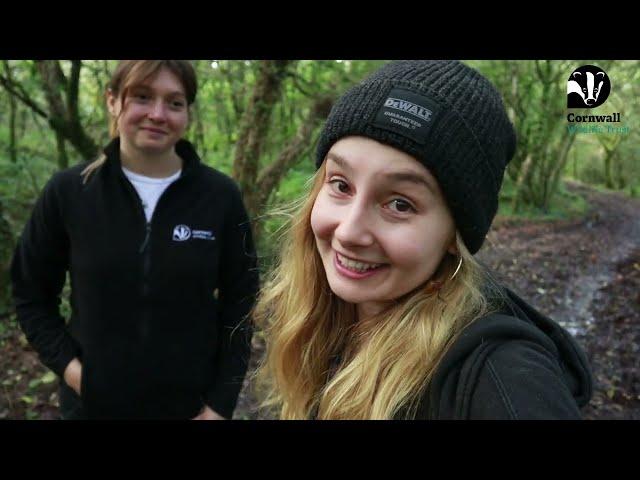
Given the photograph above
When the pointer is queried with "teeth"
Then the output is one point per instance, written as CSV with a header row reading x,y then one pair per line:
x,y
357,266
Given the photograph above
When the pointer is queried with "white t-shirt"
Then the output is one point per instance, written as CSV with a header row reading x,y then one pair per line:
x,y
149,189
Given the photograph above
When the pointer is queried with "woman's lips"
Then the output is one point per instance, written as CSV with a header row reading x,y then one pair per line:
x,y
356,275
154,130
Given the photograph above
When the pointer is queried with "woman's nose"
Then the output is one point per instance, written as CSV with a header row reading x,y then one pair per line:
x,y
157,112
355,227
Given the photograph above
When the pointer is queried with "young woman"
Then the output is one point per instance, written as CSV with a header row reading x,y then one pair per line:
x,y
378,309
161,263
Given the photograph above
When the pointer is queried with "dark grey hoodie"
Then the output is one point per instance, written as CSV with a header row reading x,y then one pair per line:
x,y
512,364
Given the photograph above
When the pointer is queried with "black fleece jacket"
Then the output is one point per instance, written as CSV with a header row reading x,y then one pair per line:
x,y
512,364
158,308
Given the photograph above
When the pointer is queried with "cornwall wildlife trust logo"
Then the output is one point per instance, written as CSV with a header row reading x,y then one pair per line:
x,y
588,87
181,233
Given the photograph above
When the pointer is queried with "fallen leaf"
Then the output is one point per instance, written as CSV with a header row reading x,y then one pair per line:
x,y
48,377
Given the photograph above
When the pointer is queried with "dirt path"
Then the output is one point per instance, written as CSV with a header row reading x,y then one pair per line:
x,y
584,273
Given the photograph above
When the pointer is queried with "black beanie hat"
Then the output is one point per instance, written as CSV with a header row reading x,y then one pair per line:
x,y
446,115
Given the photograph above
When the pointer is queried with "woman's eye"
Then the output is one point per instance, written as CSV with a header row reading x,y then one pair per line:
x,y
401,206
339,186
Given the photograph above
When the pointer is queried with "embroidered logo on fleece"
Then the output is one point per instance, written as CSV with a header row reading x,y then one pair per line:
x,y
407,113
182,233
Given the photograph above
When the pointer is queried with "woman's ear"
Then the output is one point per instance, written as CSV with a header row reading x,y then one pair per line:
x,y
111,102
453,247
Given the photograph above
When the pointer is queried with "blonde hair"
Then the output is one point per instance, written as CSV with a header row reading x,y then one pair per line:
x,y
320,362
130,73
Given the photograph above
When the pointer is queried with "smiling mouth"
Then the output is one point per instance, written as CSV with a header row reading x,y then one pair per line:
x,y
356,266
153,130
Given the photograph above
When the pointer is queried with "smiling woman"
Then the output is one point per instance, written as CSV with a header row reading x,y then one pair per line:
x,y
161,260
377,308
376,220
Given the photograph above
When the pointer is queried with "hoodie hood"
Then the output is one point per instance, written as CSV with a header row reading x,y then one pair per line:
x,y
448,396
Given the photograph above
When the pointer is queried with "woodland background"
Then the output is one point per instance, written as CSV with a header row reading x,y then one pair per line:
x,y
568,207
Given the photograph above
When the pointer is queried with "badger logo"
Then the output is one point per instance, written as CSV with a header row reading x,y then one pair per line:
x,y
181,233
588,87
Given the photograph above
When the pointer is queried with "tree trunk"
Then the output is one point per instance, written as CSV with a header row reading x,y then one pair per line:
x,y
6,249
271,176
608,180
523,179
254,127
621,179
61,113
13,154
563,158
63,159
63,116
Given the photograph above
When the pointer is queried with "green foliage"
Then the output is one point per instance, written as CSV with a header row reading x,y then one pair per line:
x,y
564,205
612,160
292,191
47,378
534,94
225,89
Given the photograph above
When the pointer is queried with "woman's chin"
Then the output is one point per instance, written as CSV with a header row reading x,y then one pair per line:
x,y
352,295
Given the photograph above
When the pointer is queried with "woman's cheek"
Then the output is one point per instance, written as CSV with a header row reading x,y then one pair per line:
x,y
323,217
179,122
404,248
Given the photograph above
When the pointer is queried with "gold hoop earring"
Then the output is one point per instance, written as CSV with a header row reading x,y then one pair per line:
x,y
457,269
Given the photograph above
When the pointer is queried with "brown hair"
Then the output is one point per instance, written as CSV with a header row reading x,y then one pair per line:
x,y
130,73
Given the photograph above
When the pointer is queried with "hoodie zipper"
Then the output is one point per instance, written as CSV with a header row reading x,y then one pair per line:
x,y
146,259
144,249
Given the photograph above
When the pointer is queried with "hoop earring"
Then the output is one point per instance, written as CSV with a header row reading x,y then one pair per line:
x,y
457,269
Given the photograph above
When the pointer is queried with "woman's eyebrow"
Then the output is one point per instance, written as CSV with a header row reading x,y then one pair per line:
x,y
402,176
340,161
143,86
411,177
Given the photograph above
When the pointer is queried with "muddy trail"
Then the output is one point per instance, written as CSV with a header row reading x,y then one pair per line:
x,y
583,273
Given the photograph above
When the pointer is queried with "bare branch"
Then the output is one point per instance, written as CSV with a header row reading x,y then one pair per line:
x,y
272,174
17,91
255,123
297,82
51,81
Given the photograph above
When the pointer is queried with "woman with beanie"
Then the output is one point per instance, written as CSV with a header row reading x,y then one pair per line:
x,y
377,308
161,263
